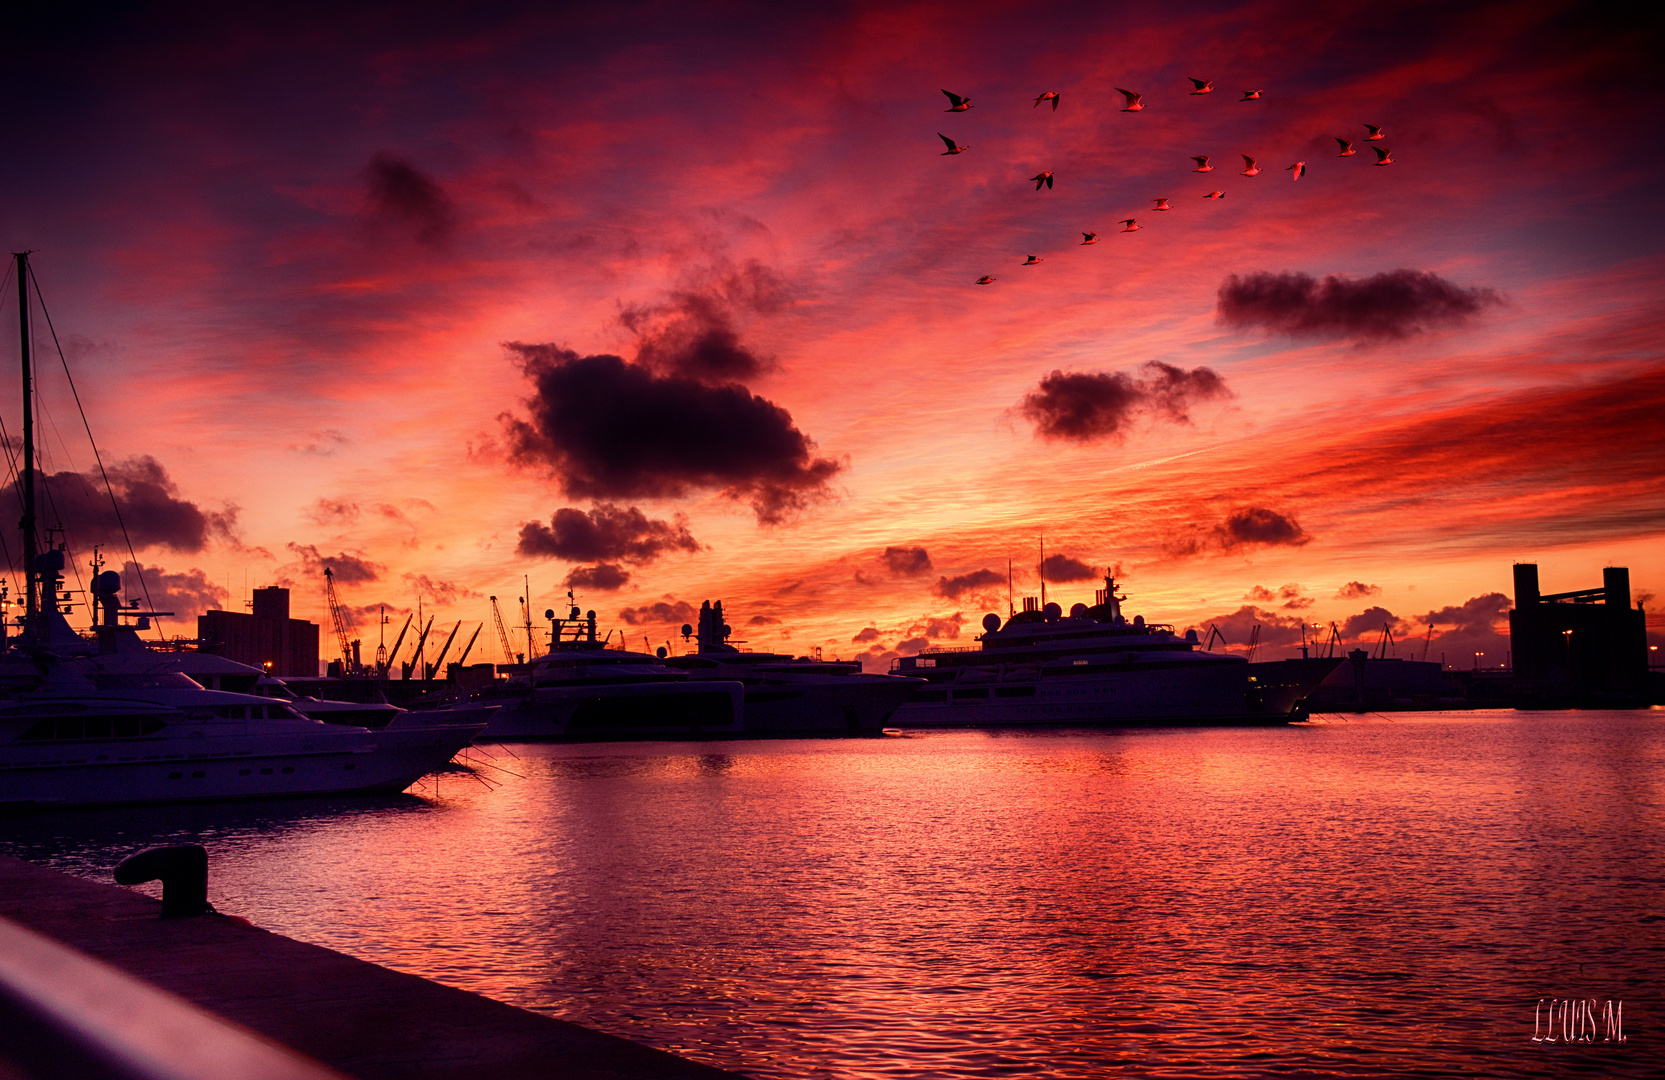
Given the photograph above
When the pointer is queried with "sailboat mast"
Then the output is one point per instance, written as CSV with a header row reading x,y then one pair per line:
x,y
26,478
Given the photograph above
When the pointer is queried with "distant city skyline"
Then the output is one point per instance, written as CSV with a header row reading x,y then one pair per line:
x,y
665,308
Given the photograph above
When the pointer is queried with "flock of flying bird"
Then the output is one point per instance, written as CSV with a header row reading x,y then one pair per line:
x,y
957,103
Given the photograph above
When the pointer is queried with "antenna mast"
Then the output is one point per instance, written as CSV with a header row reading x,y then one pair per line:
x,y
1042,569
27,478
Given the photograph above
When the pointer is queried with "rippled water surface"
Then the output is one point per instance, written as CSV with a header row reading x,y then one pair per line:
x,y
1361,896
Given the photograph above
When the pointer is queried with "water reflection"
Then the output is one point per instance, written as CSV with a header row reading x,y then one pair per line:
x,y
1361,898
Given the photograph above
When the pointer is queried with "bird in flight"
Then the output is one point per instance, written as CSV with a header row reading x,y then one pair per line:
x,y
953,147
1250,95
1131,225
1031,261
1050,95
956,103
1346,147
1132,100
1161,204
1202,163
1042,178
1299,169
1089,238
1215,195
1249,166
1203,86
1375,133
985,280
1384,156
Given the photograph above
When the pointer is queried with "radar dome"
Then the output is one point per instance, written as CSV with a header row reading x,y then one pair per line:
x,y
687,630
549,613
661,652
107,583
1051,611
1078,611
991,622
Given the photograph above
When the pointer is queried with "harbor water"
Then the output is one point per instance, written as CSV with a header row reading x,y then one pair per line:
x,y
1387,894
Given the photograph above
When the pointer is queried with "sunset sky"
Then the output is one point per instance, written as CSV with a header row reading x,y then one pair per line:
x,y
677,307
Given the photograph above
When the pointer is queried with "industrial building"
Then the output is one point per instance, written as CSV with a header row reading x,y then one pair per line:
x,y
264,637
1590,643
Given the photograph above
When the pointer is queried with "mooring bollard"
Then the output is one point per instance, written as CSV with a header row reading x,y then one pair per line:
x,y
181,868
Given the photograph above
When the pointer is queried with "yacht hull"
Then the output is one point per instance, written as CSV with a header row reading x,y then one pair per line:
x,y
607,712
1182,694
333,761
825,705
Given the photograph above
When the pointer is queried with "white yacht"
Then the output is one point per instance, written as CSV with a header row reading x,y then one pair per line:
x,y
1094,666
582,690
102,719
107,721
792,695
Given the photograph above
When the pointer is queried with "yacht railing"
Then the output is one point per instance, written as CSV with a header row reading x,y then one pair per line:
x,y
67,1014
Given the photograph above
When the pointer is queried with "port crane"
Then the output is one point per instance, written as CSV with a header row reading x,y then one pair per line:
x,y
349,650
509,655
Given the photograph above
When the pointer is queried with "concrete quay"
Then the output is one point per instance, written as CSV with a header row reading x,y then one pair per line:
x,y
356,1018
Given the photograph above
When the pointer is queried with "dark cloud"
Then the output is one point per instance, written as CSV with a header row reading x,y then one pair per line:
x,y
1395,304
1357,590
1062,568
400,194
1092,405
1258,525
948,627
187,595
147,501
693,335
912,645
762,620
976,582
1487,611
607,532
907,561
603,576
1479,625
1369,623
618,430
348,569
665,612
866,634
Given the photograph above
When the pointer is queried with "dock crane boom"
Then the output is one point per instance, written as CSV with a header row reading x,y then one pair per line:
x,y
339,618
470,646
398,641
438,667
502,633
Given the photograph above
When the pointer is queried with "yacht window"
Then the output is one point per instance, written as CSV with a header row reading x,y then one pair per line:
x,y
78,728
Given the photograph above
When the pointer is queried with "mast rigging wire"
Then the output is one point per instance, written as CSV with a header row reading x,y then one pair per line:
x,y
138,567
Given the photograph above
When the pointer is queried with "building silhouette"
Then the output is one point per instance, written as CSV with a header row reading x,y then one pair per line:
x,y
265,637
1589,642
